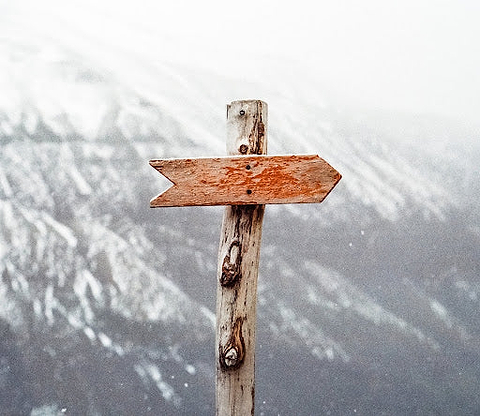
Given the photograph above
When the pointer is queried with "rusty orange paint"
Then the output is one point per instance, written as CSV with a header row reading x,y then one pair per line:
x,y
245,180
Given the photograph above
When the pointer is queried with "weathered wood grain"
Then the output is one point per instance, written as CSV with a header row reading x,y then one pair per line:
x,y
245,180
238,260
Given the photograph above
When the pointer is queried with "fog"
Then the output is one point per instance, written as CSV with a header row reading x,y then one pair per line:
x,y
368,303
410,56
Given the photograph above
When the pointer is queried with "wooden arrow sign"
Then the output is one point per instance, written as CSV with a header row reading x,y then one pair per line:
x,y
245,180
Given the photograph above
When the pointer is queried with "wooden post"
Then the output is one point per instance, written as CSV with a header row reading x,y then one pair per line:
x,y
238,259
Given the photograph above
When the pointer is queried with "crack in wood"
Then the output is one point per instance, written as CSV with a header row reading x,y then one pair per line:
x,y
255,138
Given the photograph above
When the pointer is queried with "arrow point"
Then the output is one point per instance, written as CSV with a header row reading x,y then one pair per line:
x,y
164,183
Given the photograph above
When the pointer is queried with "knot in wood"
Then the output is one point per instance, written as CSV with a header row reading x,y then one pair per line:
x,y
232,355
231,271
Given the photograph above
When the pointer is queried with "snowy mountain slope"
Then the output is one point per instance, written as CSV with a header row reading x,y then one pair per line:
x,y
71,267
82,102
106,306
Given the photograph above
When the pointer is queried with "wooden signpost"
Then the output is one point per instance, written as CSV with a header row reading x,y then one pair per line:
x,y
244,180
244,183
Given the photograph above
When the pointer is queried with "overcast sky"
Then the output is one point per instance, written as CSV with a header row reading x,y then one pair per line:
x,y
413,55
418,55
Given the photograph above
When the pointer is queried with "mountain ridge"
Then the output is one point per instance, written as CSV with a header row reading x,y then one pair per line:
x,y
106,305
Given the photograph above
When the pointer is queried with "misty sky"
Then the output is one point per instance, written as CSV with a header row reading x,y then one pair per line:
x,y
413,55
421,55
